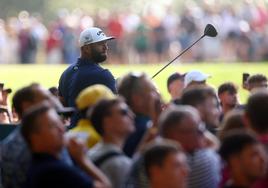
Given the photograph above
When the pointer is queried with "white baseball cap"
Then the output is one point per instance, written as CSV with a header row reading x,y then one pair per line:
x,y
92,35
196,76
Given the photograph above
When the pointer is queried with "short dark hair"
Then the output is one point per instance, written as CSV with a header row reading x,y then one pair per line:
x,y
29,123
129,84
197,95
102,109
232,120
235,141
155,153
24,94
257,111
256,78
172,117
227,86
173,77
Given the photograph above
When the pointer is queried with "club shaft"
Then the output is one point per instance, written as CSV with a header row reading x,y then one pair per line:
x,y
177,57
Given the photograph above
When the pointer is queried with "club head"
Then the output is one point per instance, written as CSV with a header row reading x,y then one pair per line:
x,y
210,31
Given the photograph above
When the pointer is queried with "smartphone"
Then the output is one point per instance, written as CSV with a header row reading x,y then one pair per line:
x,y
245,77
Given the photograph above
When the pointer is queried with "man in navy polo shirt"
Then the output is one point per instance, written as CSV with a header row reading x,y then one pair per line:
x,y
87,71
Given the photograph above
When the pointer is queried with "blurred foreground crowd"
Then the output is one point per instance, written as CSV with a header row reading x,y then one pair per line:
x,y
152,36
202,138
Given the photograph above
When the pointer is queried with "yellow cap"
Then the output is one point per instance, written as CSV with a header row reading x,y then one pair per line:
x,y
92,94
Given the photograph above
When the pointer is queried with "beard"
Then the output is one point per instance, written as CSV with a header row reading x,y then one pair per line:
x,y
97,56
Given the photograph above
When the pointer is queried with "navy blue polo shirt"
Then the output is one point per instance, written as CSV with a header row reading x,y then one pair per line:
x,y
48,171
78,77
81,75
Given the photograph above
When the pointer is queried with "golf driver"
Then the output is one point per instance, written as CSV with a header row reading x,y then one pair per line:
x,y
209,31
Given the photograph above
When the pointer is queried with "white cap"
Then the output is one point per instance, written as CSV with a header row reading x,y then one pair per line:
x,y
196,76
92,35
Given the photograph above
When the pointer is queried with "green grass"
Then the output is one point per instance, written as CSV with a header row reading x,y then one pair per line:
x,y
16,76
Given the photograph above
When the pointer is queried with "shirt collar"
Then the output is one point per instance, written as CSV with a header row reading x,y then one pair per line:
x,y
82,61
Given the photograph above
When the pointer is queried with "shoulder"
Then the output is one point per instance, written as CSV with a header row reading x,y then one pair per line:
x,y
119,161
69,70
107,73
15,146
59,173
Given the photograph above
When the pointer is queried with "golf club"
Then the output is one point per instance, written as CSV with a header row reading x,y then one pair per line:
x,y
209,31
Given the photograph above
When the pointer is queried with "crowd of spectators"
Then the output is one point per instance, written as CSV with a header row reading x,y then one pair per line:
x,y
124,134
201,138
152,36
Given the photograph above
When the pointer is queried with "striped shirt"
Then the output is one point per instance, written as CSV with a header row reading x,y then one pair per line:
x,y
204,169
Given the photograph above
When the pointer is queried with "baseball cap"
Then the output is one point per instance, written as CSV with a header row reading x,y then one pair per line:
x,y
196,76
92,35
93,94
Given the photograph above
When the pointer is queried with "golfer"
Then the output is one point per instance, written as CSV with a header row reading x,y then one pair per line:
x,y
86,71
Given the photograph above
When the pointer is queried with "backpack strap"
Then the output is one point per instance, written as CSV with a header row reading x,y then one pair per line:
x,y
100,160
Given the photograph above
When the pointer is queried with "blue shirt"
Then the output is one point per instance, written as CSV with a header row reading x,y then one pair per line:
x,y
48,171
79,76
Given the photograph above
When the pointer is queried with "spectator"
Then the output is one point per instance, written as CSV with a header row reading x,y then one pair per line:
x,y
4,115
69,45
205,101
227,93
257,120
27,46
256,81
86,99
44,132
175,85
114,121
183,125
4,103
86,72
143,99
232,120
245,158
195,78
166,165
15,153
